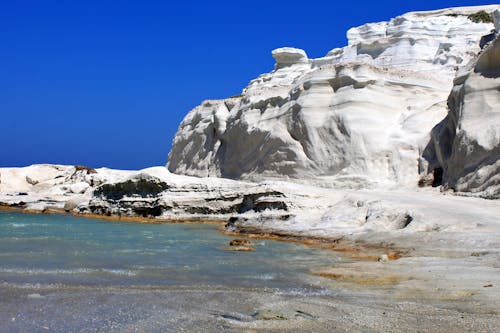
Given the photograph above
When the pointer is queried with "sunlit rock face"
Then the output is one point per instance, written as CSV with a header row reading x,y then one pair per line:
x,y
466,144
288,56
360,116
152,193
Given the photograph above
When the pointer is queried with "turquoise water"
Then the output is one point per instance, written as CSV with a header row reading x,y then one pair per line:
x,y
71,251
60,273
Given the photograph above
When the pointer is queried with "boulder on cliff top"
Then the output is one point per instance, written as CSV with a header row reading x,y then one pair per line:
x,y
286,56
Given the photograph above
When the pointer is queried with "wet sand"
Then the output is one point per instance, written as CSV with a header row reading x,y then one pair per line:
x,y
217,309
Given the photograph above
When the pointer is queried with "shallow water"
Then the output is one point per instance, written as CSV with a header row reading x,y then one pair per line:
x,y
73,251
60,273
63,273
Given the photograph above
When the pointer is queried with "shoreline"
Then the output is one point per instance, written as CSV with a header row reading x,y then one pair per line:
x,y
350,294
443,260
121,218
356,249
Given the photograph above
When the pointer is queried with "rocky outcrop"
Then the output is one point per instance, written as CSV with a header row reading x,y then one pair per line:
x,y
156,193
288,56
46,186
357,117
141,185
152,192
205,204
466,144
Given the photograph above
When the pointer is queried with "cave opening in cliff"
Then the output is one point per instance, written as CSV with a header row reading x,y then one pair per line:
x,y
437,174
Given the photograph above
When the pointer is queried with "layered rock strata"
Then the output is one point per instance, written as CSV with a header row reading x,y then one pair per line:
x,y
359,117
151,193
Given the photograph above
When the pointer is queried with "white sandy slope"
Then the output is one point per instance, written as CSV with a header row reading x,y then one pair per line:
x,y
360,116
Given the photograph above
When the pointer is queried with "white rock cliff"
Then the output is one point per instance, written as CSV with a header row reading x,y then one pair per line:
x,y
466,144
360,116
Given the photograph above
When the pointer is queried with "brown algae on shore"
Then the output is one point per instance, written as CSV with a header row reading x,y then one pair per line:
x,y
356,249
362,273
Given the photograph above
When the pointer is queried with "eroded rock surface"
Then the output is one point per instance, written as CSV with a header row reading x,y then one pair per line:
x,y
358,117
152,192
466,144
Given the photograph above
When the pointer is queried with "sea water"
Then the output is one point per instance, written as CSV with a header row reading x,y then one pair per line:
x,y
67,250
61,273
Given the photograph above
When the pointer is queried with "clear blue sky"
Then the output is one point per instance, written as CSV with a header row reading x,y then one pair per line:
x,y
106,83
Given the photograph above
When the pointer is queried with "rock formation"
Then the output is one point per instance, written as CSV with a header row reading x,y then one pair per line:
x,y
466,144
152,193
360,116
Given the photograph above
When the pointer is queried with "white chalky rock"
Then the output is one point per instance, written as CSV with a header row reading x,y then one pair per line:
x,y
359,116
466,144
287,56
79,188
